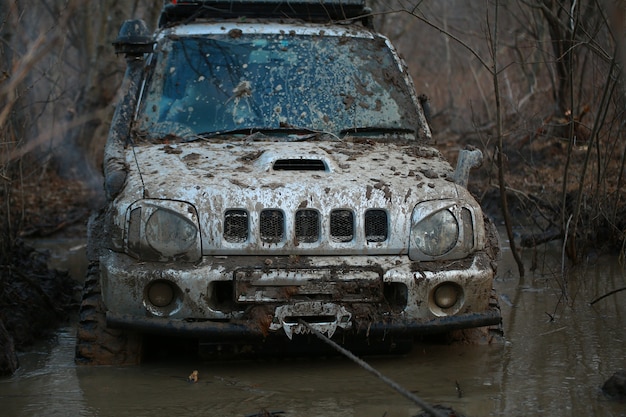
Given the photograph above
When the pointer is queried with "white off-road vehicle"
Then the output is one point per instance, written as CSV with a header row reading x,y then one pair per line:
x,y
268,172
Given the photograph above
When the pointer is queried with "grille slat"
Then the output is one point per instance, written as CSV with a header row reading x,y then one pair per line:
x,y
272,226
376,226
341,225
236,226
307,226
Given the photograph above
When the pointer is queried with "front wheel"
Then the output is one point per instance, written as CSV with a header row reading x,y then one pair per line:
x,y
96,344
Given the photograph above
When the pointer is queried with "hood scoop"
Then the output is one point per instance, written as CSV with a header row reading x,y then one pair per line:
x,y
299,164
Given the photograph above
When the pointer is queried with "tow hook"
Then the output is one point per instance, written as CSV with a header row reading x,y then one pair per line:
x,y
323,317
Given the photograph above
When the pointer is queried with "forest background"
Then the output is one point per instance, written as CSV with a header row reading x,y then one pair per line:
x,y
535,84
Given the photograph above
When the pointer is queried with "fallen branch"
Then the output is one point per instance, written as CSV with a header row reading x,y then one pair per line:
x,y
606,295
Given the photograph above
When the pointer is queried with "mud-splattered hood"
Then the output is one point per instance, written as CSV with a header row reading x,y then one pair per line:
x,y
219,178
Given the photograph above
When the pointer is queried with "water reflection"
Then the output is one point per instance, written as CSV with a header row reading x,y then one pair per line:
x,y
562,348
46,383
558,353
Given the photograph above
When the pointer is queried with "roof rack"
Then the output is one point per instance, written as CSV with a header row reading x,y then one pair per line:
x,y
175,11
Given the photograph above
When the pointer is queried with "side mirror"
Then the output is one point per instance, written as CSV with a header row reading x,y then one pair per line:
x,y
134,39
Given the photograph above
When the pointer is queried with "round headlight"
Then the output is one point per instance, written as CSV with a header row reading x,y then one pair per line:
x,y
437,234
170,233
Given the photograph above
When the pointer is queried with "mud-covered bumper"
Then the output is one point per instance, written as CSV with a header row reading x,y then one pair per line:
x,y
370,297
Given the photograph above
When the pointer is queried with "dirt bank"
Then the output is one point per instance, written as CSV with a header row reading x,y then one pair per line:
x,y
34,299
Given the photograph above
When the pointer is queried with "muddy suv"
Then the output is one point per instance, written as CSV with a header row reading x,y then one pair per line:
x,y
270,175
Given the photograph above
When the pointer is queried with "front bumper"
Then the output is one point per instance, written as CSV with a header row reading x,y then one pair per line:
x,y
270,301
238,332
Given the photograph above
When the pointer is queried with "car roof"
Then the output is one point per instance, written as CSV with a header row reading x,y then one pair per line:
x,y
267,27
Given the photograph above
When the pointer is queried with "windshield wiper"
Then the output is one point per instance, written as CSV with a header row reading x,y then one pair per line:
x,y
218,133
293,134
376,130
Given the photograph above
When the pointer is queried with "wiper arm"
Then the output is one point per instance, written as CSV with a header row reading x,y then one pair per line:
x,y
215,134
294,134
376,129
297,133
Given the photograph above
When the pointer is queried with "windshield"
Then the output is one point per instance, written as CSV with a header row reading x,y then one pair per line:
x,y
229,82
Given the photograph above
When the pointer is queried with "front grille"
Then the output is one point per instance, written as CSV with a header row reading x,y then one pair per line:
x,y
272,226
308,225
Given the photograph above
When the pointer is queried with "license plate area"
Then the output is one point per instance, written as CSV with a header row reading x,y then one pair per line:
x,y
314,284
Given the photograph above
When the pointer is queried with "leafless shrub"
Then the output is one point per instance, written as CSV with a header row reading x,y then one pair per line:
x,y
58,83
561,97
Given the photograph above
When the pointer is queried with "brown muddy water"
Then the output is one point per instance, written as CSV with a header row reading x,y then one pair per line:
x,y
559,351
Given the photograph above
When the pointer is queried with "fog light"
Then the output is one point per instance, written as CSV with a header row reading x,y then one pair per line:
x,y
447,295
161,293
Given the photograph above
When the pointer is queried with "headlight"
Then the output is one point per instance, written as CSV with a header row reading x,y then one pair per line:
x,y
170,233
437,234
163,230
443,229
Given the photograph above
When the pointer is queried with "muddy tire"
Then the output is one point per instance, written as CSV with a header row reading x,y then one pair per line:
x,y
96,344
